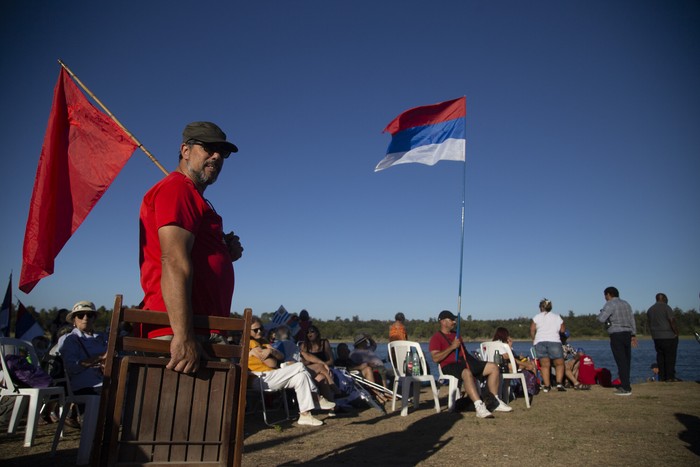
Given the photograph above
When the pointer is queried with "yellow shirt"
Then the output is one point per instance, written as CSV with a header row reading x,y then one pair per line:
x,y
254,363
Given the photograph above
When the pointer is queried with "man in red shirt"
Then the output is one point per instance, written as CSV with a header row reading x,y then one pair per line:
x,y
185,258
443,348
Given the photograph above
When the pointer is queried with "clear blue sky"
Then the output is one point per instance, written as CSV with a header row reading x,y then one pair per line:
x,y
583,148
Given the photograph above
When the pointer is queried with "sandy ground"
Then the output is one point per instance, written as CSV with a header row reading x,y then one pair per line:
x,y
658,424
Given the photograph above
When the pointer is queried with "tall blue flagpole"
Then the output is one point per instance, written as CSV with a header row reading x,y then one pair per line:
x,y
461,251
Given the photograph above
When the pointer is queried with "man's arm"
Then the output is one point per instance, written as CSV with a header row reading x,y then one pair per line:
x,y
440,355
176,285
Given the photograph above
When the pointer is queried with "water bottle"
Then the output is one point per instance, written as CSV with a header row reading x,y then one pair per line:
x,y
416,364
409,363
497,359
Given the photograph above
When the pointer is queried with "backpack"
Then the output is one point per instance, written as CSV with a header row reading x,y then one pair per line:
x,y
26,375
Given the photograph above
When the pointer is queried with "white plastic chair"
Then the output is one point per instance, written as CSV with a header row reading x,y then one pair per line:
x,y
488,349
90,415
36,396
397,355
452,388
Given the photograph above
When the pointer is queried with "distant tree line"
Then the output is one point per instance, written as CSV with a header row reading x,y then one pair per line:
x,y
345,329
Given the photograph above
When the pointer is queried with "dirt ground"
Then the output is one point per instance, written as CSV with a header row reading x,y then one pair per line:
x,y
658,424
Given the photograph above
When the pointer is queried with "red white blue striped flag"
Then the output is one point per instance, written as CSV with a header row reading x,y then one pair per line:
x,y
427,134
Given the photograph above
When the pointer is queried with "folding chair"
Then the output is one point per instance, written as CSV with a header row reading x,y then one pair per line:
x,y
256,385
397,355
35,396
155,416
488,349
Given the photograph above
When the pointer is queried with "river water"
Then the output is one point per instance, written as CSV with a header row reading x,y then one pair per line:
x,y
687,365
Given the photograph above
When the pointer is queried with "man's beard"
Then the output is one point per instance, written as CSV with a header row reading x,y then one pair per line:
x,y
201,176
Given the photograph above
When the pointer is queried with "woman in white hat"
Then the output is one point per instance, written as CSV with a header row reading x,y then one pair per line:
x,y
83,350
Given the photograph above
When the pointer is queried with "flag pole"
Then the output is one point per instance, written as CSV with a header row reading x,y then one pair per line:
x,y
461,250
111,115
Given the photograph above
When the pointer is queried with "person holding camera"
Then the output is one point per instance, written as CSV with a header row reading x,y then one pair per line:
x,y
622,329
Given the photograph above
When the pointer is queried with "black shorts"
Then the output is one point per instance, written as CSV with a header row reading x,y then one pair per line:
x,y
455,368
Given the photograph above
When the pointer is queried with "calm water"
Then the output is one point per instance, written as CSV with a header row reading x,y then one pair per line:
x,y
687,365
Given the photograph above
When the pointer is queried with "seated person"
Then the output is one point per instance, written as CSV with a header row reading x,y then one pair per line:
x,y
522,362
364,352
571,367
285,344
443,347
317,355
83,351
263,362
365,370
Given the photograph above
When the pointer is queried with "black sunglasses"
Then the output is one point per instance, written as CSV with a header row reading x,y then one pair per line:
x,y
256,329
83,314
211,148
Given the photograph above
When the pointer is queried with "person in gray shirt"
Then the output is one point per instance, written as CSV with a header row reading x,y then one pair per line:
x,y
664,331
619,319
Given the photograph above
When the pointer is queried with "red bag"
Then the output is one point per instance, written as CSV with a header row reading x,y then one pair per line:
x,y
586,370
603,377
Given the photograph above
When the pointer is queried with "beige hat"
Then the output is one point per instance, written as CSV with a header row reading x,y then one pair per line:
x,y
83,306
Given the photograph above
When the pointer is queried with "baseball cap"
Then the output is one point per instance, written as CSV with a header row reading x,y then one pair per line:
x,y
207,132
447,314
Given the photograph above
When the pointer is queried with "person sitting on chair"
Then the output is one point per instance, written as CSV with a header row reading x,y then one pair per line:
x,y
443,348
317,355
365,370
263,361
364,352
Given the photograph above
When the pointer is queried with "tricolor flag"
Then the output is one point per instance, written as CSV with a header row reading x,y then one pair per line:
x,y
83,152
26,327
6,311
427,135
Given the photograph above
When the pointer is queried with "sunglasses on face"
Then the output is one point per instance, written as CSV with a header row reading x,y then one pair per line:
x,y
84,314
211,148
256,330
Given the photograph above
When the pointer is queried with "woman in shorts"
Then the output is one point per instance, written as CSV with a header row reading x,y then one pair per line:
x,y
544,330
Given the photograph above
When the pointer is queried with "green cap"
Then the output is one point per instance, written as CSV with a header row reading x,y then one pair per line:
x,y
207,132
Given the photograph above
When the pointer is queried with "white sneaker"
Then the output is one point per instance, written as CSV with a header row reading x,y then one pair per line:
x,y
309,419
325,404
481,410
502,406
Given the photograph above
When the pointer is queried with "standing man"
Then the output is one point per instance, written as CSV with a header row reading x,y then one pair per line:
x,y
185,258
443,347
619,319
664,331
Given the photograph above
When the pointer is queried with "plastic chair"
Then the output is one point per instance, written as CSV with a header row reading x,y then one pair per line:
x,y
488,349
452,388
36,396
87,430
397,355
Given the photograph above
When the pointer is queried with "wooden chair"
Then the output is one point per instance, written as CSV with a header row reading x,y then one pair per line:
x,y
157,417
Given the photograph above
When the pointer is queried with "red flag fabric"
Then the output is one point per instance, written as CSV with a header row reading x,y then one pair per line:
x,y
83,152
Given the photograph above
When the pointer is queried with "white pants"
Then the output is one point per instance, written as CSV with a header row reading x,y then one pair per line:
x,y
294,376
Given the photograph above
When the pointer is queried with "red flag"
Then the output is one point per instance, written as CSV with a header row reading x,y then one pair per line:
x,y
83,152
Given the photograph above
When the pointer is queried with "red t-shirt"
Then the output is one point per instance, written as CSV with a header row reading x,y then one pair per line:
x,y
439,342
176,201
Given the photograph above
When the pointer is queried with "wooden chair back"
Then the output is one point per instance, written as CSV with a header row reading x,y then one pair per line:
x,y
156,417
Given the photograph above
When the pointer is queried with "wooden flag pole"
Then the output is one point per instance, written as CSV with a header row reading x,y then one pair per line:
x,y
89,93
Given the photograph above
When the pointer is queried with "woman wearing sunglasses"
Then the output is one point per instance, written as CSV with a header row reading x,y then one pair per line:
x,y
263,362
84,350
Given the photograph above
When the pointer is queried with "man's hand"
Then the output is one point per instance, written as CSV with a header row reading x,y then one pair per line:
x,y
184,355
634,341
233,243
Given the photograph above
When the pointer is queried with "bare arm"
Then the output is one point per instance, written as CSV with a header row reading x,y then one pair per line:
x,y
440,355
176,284
533,330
